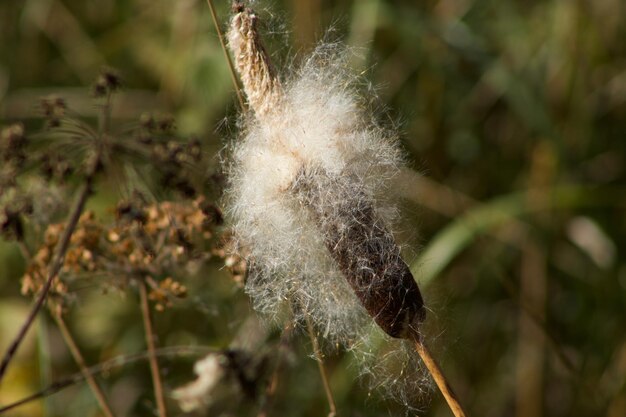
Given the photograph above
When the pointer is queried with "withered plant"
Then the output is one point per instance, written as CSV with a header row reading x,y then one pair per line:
x,y
148,246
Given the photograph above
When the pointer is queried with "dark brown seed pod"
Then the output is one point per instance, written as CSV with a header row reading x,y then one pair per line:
x,y
364,250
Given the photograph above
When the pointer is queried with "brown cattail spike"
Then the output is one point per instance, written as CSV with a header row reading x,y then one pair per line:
x,y
260,82
364,250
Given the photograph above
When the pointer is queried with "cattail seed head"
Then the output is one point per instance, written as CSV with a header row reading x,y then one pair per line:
x,y
305,185
308,197
364,250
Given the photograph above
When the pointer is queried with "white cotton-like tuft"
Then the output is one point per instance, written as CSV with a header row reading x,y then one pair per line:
x,y
194,395
312,170
320,127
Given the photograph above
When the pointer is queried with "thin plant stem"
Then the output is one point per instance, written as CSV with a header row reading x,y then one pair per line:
x,y
54,269
105,116
24,249
440,379
271,389
450,202
154,364
540,322
183,351
269,393
43,359
80,361
320,365
531,343
231,67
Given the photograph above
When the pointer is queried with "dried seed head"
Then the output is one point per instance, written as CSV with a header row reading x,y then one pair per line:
x,y
12,144
11,225
260,82
54,109
108,81
309,199
365,252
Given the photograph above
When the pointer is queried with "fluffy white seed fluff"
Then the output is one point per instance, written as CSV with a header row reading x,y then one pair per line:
x,y
315,122
320,126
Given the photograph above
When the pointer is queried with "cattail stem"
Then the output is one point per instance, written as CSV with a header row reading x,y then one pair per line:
x,y
440,379
229,61
320,365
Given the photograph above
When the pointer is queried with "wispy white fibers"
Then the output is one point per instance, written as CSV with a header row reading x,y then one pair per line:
x,y
311,141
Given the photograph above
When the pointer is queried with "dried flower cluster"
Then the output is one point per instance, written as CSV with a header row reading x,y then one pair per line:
x,y
69,147
150,246
108,82
152,242
309,199
54,109
12,157
36,199
12,145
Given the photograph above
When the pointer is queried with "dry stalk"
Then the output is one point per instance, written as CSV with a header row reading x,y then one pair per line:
x,y
231,67
154,364
440,379
24,250
55,266
320,365
80,361
170,351
531,341
273,385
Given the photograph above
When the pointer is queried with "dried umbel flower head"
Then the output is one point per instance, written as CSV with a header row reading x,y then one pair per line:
x,y
107,82
308,195
54,109
12,144
154,243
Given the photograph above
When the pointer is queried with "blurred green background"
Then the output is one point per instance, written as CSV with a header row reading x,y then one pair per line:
x,y
513,116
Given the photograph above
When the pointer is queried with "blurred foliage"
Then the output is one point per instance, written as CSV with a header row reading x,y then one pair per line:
x,y
513,111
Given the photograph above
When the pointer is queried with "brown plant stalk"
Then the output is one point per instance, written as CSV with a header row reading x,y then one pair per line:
x,y
107,366
80,361
93,166
55,266
270,392
152,357
231,68
439,378
322,370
